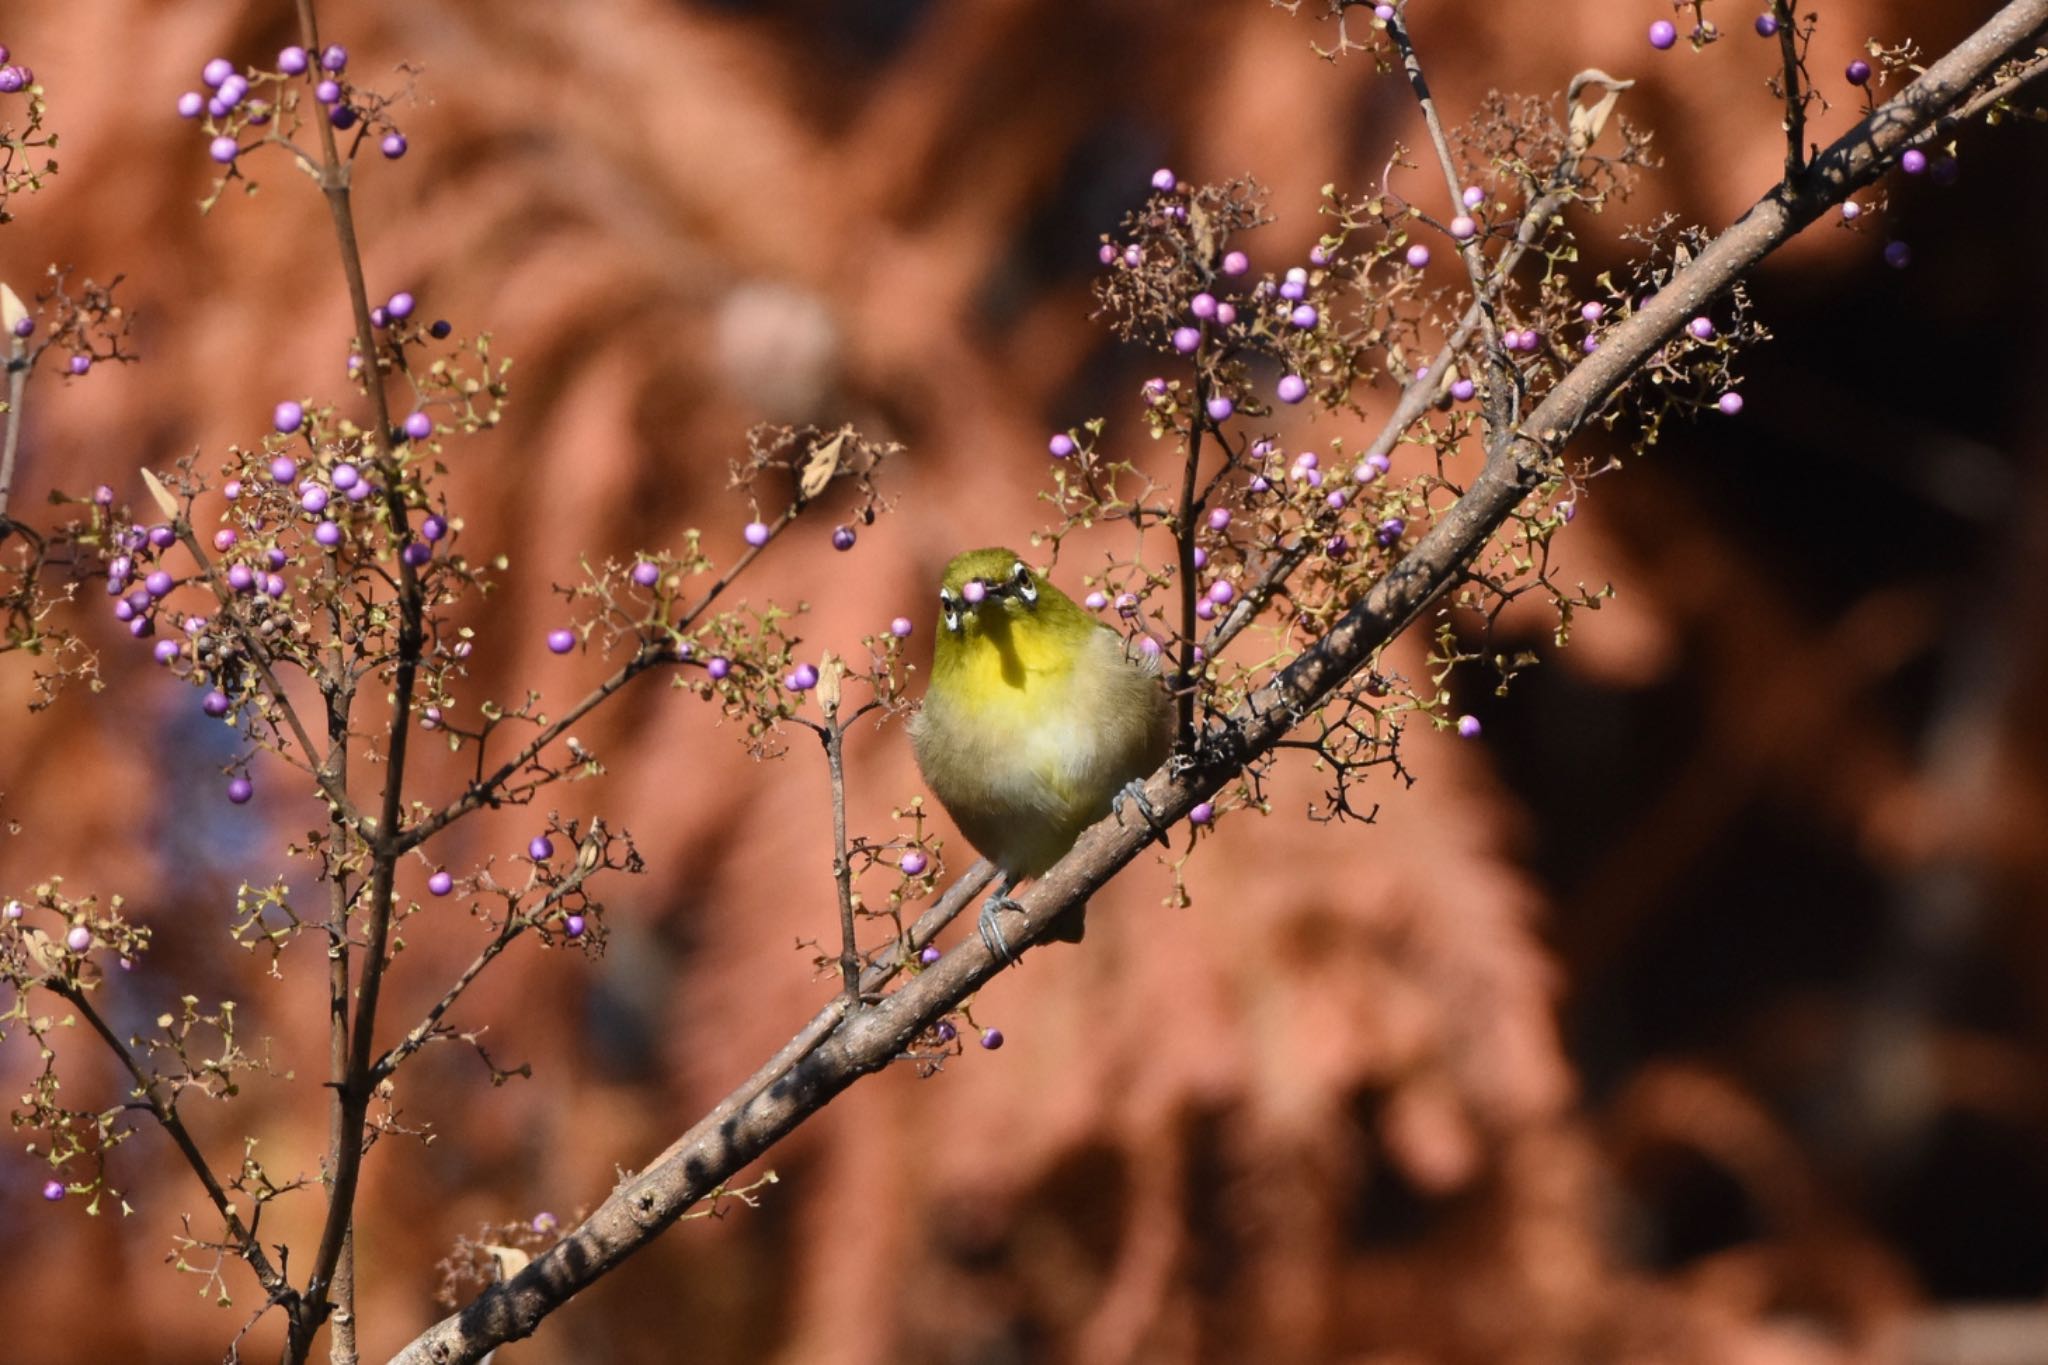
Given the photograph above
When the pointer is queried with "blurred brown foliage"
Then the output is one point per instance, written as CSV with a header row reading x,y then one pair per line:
x,y
1695,1013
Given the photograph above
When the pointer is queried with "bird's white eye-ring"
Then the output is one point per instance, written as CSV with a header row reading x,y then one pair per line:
x,y
949,609
1027,587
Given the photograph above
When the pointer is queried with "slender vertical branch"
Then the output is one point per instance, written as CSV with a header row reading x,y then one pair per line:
x,y
345,1154
338,688
1795,96
833,735
1184,545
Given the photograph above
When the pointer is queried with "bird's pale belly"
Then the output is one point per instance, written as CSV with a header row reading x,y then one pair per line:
x,y
1030,764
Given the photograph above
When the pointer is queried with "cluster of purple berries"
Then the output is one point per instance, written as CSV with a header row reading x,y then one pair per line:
x,y
1287,302
14,77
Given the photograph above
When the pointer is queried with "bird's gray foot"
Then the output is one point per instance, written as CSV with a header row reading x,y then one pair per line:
x,y
992,931
1134,793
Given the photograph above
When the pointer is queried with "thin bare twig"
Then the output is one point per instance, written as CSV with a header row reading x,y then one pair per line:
x,y
165,1112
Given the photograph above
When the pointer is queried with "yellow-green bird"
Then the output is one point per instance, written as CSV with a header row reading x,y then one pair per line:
x,y
1038,721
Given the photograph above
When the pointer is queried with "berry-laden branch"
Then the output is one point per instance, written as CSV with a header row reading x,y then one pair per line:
x,y
826,1059
353,1083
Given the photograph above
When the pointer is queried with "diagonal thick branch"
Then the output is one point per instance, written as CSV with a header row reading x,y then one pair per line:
x,y
829,1056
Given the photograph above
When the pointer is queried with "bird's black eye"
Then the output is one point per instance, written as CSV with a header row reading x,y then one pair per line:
x,y
949,609
1027,588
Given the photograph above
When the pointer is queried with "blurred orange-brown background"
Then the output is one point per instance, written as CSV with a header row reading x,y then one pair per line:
x,y
1694,1013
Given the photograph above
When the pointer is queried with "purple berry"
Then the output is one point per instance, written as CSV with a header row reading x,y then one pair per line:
x,y
393,146
540,848
333,57
314,499
1767,26
399,305
992,1038
293,61
165,652
646,573
53,1190
215,704
573,925
1468,727
928,955
1390,530
288,418
1219,517
1222,590
241,577
914,862
191,104
718,668
1913,161
974,591
1851,210
1235,263
1663,34
441,327
327,534
440,884
1898,255
1294,290
223,149
842,537
1702,328
802,678
1292,388
1061,446
233,90
1203,813
944,1031
1463,228
1221,407
327,92
417,553
1203,306
561,641
345,476
80,364
283,469
273,585
162,537
25,327
1304,316
901,627
756,533
1226,313
1418,256
418,426
1858,72
1095,601
158,584
1729,403
215,72
1462,390
1187,340
240,789
1473,196
1163,180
